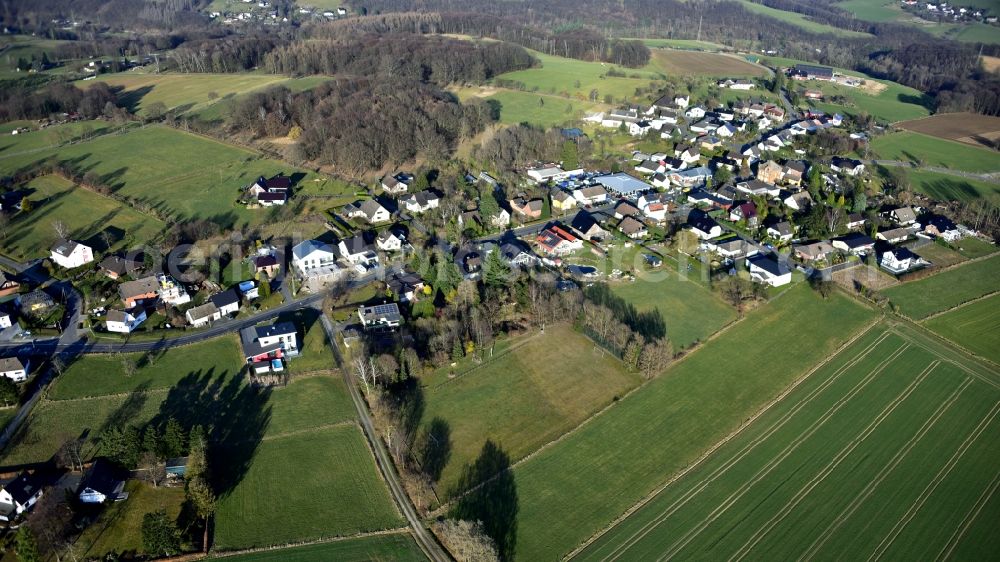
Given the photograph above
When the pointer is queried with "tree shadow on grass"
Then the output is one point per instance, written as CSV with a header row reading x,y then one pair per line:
x,y
235,416
491,497
434,448
650,324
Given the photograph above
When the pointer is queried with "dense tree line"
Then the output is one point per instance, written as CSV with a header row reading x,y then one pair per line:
x,y
37,15
227,54
20,101
361,124
405,56
576,41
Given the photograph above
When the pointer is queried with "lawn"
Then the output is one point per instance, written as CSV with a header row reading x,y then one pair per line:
x,y
379,548
975,326
884,452
974,247
309,402
538,109
939,255
178,174
30,235
23,46
799,20
919,299
691,311
314,352
930,151
873,10
570,491
690,44
182,92
894,103
99,375
946,187
544,386
306,486
119,527
576,78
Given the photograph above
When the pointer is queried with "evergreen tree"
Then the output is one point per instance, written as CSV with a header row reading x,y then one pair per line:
x,y
457,352
173,439
9,394
122,445
488,207
860,202
151,442
496,271
263,286
570,156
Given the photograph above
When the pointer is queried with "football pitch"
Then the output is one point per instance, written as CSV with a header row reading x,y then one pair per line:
x,y
885,452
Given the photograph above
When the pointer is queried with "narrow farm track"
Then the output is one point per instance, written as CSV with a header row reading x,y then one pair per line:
x,y
424,539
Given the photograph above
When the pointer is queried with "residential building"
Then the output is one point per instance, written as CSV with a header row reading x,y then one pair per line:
x,y
769,172
266,264
691,177
8,286
798,201
703,225
35,303
593,195
14,369
406,286
312,255
529,209
381,317
396,184
766,269
116,267
632,227
19,495
895,235
903,216
586,225
358,250
6,319
732,247
855,221
847,166
70,254
557,241
265,348
745,212
228,301
103,482
203,314
516,254
781,231
900,260
814,251
420,202
562,201
758,188
854,243
943,228
369,210
124,321
390,240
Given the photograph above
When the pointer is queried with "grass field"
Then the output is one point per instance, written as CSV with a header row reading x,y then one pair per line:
x,y
894,103
573,489
931,151
946,187
873,10
975,326
675,62
530,395
15,47
974,248
799,20
576,78
99,375
540,109
380,548
939,256
179,174
886,451
919,299
309,402
182,92
311,485
30,235
681,44
691,312
119,527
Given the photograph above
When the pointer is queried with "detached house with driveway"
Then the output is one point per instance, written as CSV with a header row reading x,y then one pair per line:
x,y
766,269
266,348
204,314
124,321
70,254
14,369
19,495
369,210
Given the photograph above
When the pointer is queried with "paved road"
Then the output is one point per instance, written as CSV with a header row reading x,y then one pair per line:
x,y
426,541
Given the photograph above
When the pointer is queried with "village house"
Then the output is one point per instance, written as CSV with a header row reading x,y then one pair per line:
x,y
529,209
943,228
814,251
769,172
265,348
8,286
593,195
103,482
562,201
854,243
380,317
14,369
139,292
273,191
203,314
266,264
420,202
357,250
586,225
745,212
691,177
903,216
737,84
732,248
369,210
895,235
792,172
632,227
847,166
312,255
703,226
249,289
766,269
390,240
116,267
557,241
228,301
396,184
406,286
516,254
811,72
124,321
758,188
855,221
798,201
70,254
625,209
781,231
900,260
19,495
